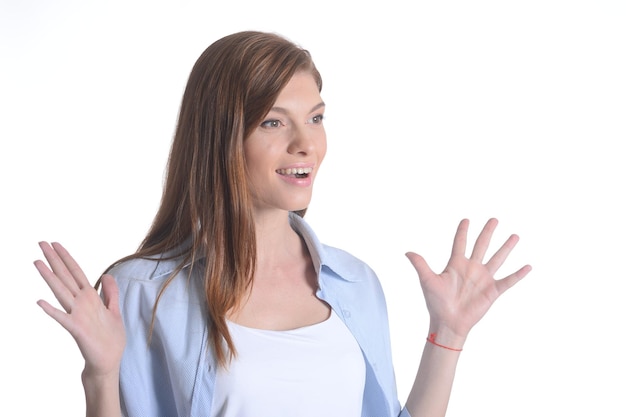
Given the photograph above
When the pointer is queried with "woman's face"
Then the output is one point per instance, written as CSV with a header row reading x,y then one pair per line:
x,y
285,151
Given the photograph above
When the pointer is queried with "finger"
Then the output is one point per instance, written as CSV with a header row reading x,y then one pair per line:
x,y
59,316
483,240
58,287
460,238
500,256
72,266
58,267
505,283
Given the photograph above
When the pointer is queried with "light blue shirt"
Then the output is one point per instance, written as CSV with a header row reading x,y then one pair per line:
x,y
174,375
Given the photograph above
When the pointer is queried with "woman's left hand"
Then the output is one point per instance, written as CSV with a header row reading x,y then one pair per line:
x,y
461,295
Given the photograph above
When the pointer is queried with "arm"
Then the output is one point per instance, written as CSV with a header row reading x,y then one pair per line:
x,y
95,324
456,300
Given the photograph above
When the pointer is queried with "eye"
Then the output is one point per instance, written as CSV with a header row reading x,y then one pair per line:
x,y
316,120
272,123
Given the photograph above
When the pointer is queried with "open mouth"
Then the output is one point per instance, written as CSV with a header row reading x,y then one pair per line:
x,y
295,172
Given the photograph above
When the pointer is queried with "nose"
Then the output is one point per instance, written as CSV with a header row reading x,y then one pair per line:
x,y
302,140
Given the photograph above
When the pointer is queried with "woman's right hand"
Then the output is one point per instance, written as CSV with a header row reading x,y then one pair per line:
x,y
95,323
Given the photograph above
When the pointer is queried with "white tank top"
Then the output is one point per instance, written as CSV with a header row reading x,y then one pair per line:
x,y
312,371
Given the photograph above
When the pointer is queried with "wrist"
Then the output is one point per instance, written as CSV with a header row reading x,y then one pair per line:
x,y
94,378
444,337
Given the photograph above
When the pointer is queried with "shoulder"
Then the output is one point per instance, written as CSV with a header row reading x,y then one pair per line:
x,y
143,281
346,264
145,269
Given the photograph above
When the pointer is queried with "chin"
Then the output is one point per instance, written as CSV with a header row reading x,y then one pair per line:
x,y
299,204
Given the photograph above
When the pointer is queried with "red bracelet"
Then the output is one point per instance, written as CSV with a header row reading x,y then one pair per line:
x,y
431,339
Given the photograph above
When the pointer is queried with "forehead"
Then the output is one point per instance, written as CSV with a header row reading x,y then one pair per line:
x,y
300,92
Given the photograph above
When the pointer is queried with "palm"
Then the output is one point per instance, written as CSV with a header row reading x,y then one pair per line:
x,y
461,295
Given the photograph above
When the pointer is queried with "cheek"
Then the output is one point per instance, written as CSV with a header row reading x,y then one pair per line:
x,y
253,155
322,148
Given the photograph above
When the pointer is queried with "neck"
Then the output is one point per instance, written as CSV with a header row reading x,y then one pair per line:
x,y
276,241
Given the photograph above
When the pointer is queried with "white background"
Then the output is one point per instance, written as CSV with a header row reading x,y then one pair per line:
x,y
436,111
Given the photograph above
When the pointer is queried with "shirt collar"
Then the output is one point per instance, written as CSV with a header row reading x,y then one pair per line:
x,y
338,261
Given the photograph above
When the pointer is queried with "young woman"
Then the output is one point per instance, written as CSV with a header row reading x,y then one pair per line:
x,y
231,306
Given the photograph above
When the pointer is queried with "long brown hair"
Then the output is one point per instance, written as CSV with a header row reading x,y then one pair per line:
x,y
231,88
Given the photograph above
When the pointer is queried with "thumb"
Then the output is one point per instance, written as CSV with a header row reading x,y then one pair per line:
x,y
421,266
111,293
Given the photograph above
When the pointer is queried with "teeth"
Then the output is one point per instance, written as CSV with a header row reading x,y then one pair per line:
x,y
294,171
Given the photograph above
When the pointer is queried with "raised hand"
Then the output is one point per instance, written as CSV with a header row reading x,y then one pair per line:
x,y
459,297
94,323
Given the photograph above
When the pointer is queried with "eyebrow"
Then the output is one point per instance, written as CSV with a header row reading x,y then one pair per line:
x,y
284,111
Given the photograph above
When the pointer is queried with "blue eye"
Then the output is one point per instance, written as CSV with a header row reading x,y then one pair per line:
x,y
273,123
316,119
